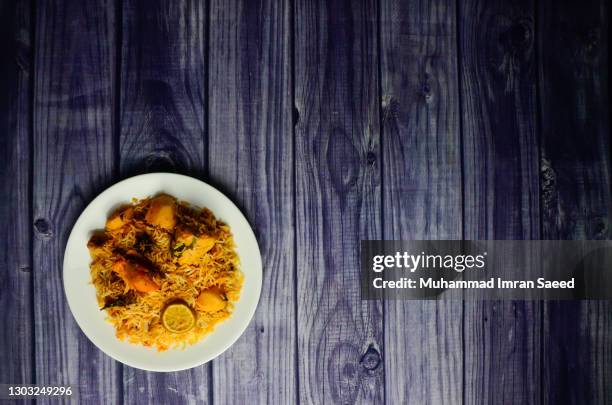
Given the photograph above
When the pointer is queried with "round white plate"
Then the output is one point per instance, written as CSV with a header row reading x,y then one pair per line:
x,y
81,294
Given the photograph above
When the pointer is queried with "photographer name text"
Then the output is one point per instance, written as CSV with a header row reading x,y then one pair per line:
x,y
494,282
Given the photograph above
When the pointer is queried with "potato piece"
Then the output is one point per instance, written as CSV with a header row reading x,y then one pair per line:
x,y
211,300
188,257
119,218
204,243
114,222
161,212
194,253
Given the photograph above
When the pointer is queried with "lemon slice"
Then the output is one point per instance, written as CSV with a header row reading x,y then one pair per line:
x,y
178,318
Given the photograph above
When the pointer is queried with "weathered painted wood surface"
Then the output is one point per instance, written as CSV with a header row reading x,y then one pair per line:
x,y
162,128
73,161
251,159
327,122
421,169
338,198
576,200
502,346
16,317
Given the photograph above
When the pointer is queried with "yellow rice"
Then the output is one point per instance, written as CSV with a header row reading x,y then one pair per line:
x,y
140,321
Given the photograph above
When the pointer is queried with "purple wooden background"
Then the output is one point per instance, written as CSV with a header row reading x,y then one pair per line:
x,y
327,122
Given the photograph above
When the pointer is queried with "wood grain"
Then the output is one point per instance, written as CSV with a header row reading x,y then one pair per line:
x,y
162,129
573,48
162,87
328,122
337,200
421,190
16,335
251,159
501,190
73,162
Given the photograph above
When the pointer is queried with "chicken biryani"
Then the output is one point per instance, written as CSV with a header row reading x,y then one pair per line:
x,y
166,273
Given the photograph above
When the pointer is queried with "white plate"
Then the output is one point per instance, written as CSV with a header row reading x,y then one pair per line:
x,y
81,294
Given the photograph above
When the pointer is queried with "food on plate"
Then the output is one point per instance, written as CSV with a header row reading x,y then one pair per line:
x,y
119,218
211,300
162,212
135,276
166,273
178,317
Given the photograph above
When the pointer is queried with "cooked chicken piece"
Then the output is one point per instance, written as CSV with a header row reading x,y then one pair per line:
x,y
135,276
162,212
211,300
119,218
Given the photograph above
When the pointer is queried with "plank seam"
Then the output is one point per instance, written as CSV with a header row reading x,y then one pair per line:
x,y
538,129
117,88
116,122
382,184
32,81
459,74
206,32
295,120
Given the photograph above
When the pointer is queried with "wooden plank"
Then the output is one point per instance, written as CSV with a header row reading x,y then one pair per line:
x,y
421,190
73,162
15,205
162,129
162,87
573,48
251,159
501,190
338,198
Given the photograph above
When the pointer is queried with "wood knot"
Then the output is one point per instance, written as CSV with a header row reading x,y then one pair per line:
x,y
371,359
591,46
600,227
161,161
424,86
371,158
517,38
25,269
43,227
512,50
426,92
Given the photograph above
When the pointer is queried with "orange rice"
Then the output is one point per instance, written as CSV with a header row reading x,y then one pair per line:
x,y
135,315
